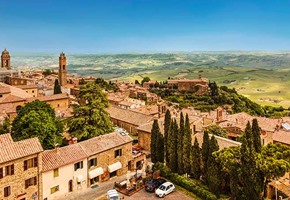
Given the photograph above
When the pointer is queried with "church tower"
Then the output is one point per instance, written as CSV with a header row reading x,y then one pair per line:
x,y
5,59
62,69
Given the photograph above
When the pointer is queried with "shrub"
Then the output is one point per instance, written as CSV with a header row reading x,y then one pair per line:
x,y
184,182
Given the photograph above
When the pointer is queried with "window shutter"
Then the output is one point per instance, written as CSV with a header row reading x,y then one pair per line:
x,y
35,162
75,166
120,152
7,171
25,165
1,172
12,169
35,180
82,164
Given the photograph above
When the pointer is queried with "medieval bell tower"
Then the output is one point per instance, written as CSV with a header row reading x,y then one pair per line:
x,y
5,60
62,69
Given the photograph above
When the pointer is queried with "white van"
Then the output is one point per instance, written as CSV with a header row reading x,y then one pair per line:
x,y
113,195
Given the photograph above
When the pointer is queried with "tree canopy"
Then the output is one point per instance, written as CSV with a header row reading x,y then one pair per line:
x,y
37,119
90,118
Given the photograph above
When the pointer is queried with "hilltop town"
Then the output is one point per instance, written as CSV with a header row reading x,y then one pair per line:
x,y
30,170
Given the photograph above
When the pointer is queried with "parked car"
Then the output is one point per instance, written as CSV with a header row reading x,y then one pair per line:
x,y
153,184
165,189
113,195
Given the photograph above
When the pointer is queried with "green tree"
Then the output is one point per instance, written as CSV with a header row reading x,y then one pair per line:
x,y
145,79
205,152
5,127
172,146
256,132
216,130
167,122
213,168
180,145
187,146
154,137
251,187
196,160
90,118
160,147
57,88
37,119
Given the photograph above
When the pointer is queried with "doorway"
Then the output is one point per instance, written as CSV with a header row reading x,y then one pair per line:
x,y
70,186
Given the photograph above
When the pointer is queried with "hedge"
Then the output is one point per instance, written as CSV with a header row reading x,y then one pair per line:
x,y
185,183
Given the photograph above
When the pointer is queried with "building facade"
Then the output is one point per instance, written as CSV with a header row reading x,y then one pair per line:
x,y
20,167
62,73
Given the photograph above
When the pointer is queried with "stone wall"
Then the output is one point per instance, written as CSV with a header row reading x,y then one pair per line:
x,y
17,181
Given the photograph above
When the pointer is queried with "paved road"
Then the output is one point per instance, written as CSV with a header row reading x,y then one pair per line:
x,y
143,195
91,193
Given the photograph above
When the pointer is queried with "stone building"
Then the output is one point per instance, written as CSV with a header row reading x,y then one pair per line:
x,y
20,167
127,119
197,86
62,70
5,59
108,155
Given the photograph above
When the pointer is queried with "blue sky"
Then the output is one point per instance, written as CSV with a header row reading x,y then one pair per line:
x,y
104,26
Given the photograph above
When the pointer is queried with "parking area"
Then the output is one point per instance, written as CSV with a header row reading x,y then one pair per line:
x,y
143,195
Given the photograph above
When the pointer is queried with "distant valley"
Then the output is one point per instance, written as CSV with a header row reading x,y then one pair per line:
x,y
261,76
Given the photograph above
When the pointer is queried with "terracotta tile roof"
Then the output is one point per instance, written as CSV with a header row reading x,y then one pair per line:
x,y
4,90
11,98
128,116
49,97
55,158
27,86
222,142
282,136
147,127
147,110
104,142
16,91
11,150
7,108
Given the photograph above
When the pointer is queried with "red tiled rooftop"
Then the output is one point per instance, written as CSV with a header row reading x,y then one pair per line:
x,y
11,150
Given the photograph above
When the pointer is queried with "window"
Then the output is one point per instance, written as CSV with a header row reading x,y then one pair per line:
x,y
92,162
78,165
30,182
7,191
9,170
32,91
1,172
1,95
55,172
118,152
54,189
57,105
30,163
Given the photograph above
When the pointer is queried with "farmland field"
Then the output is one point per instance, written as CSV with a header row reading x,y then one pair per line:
x,y
264,77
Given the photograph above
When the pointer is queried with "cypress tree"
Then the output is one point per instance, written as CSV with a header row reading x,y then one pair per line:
x,y
196,160
154,136
187,146
167,121
56,89
172,146
160,147
256,132
213,168
180,144
204,152
250,179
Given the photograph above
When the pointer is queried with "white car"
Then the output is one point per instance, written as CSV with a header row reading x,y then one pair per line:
x,y
113,195
165,189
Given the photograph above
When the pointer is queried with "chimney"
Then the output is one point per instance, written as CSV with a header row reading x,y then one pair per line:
x,y
75,140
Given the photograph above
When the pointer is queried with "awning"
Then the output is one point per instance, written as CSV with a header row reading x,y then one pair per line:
x,y
80,178
96,172
114,167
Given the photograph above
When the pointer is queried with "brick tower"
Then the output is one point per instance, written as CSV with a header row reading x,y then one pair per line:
x,y
62,69
5,59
